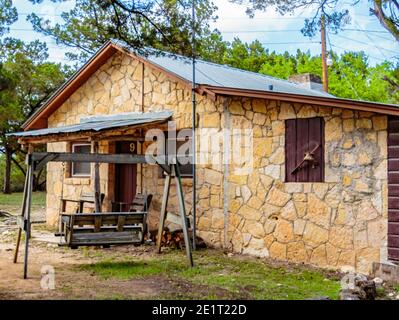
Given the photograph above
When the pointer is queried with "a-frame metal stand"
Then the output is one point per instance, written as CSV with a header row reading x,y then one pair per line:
x,y
37,160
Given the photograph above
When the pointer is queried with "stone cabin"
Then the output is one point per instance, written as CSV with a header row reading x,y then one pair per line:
x,y
337,208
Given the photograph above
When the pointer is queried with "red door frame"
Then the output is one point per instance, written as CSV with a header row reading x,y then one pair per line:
x,y
125,175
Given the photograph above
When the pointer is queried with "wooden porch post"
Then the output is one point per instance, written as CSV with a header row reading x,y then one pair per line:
x,y
97,187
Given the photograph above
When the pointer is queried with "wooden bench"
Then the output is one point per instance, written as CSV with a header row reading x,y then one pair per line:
x,y
96,229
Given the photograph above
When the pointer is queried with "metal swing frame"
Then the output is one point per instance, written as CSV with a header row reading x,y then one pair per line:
x,y
37,160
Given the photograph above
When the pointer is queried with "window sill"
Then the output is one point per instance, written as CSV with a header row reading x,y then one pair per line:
x,y
77,181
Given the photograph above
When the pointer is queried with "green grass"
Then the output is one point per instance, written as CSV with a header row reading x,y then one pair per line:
x,y
12,202
15,199
239,277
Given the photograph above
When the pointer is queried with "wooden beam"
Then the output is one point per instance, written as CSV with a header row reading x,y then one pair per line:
x,y
21,216
182,208
97,186
42,158
164,206
27,217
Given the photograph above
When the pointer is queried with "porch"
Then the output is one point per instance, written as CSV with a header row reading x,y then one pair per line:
x,y
76,151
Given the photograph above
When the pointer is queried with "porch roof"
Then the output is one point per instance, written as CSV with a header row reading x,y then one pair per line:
x,y
101,123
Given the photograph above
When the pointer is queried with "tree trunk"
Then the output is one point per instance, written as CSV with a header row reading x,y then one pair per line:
x,y
7,172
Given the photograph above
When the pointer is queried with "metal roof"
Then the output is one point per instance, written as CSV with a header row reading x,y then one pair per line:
x,y
212,74
99,123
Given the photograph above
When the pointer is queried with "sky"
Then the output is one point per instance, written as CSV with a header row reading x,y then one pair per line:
x,y
277,33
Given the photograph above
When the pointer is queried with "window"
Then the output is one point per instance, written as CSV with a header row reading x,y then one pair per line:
x,y
80,169
304,150
186,170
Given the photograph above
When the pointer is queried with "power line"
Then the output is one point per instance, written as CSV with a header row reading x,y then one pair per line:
x,y
290,42
373,42
362,42
340,69
374,31
259,31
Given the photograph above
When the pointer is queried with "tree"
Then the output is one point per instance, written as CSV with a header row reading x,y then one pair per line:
x,y
26,80
387,12
351,76
8,15
163,24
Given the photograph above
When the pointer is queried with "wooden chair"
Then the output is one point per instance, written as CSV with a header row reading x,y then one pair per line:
x,y
141,203
85,198
102,229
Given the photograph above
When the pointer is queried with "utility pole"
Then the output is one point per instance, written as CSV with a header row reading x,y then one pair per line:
x,y
324,52
194,112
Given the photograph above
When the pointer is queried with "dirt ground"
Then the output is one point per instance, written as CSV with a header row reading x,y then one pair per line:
x,y
73,279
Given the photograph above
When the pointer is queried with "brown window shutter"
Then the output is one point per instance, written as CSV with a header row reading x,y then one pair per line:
x,y
290,149
303,135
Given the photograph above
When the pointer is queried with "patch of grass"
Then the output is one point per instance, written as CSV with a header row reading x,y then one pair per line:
x,y
15,199
240,276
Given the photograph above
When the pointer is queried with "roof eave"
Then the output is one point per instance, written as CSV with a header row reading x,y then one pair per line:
x,y
388,109
40,116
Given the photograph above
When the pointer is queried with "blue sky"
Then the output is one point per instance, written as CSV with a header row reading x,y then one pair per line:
x,y
276,32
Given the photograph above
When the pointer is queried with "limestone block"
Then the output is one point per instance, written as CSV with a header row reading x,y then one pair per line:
x,y
211,120
364,123
314,235
213,177
273,171
250,213
278,251
259,118
299,226
286,112
289,211
255,228
341,237
284,231
259,105
277,197
256,247
306,111
365,257
320,190
380,122
296,251
333,129
319,256
236,108
318,212
255,202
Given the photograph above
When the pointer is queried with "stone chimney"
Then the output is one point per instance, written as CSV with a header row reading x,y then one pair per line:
x,y
307,80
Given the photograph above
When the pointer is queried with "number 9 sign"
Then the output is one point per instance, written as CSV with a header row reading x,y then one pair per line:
x,y
132,147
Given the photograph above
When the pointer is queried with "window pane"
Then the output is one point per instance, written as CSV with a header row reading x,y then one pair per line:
x,y
81,168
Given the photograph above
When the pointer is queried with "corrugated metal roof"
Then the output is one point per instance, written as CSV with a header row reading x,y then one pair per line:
x,y
212,74
99,123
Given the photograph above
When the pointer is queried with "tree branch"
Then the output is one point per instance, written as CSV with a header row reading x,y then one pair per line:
x,y
385,21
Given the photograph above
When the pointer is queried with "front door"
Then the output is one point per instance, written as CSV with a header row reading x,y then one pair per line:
x,y
125,176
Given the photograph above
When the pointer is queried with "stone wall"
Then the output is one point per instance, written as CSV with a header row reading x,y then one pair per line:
x,y
339,223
